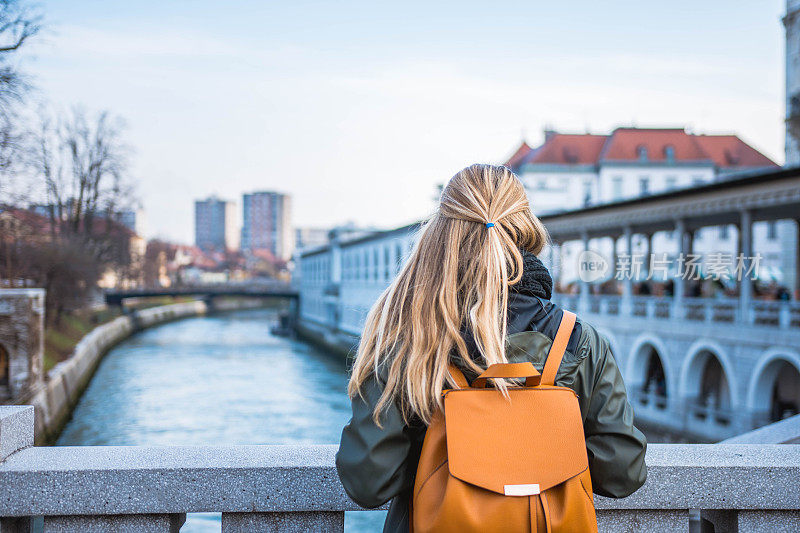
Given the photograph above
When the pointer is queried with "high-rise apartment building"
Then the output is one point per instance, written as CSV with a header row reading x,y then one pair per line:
x,y
133,219
215,224
267,223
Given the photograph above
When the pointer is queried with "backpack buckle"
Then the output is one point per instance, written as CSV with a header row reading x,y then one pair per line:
x,y
521,490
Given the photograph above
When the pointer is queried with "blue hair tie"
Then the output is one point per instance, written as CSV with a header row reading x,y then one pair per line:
x,y
490,224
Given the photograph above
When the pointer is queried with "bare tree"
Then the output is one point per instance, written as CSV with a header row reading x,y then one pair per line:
x,y
82,161
63,269
81,164
10,140
77,165
19,22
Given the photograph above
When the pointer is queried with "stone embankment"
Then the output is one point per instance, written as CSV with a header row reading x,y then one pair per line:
x,y
65,383
337,342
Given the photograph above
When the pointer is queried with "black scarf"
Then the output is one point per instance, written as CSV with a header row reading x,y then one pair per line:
x,y
536,280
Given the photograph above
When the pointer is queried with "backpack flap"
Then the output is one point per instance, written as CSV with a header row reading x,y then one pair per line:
x,y
517,446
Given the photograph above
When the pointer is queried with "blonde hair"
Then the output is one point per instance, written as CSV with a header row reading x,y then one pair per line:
x,y
457,277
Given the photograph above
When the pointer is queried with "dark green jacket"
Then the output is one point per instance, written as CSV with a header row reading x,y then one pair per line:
x,y
378,464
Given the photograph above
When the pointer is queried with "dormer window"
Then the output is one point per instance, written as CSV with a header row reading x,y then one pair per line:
x,y
669,153
570,156
731,158
641,152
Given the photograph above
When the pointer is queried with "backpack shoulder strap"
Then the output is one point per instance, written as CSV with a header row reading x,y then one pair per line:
x,y
458,376
558,348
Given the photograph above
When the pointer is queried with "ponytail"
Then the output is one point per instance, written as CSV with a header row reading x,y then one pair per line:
x,y
457,278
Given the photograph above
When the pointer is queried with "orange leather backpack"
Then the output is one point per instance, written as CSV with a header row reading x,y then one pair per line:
x,y
492,463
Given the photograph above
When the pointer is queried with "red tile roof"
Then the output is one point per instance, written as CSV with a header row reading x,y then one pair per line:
x,y
625,144
34,222
43,224
569,149
110,227
519,155
730,151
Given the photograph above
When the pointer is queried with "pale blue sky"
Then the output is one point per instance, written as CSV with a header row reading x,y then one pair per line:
x,y
358,109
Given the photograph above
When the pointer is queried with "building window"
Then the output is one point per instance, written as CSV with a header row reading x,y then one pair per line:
x,y
387,263
644,186
724,231
617,187
698,180
669,153
376,257
641,152
587,192
350,269
672,182
365,266
772,230
399,252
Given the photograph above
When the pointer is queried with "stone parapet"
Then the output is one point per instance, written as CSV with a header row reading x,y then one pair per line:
x,y
265,486
784,432
16,429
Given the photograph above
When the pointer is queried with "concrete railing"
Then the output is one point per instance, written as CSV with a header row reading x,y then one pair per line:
x,y
738,487
786,431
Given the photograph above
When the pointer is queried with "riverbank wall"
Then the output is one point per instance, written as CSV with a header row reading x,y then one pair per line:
x,y
338,342
55,400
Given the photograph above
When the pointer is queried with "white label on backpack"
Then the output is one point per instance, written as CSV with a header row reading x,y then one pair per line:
x,y
521,490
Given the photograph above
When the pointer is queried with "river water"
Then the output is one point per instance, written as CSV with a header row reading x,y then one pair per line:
x,y
222,379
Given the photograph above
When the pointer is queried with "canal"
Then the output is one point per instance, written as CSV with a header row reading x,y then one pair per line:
x,y
216,380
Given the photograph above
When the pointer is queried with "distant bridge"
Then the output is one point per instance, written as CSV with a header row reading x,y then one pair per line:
x,y
260,290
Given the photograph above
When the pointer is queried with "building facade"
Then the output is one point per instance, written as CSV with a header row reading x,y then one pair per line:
x,y
310,237
707,367
267,223
791,23
570,171
215,224
133,219
21,343
339,282
573,171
